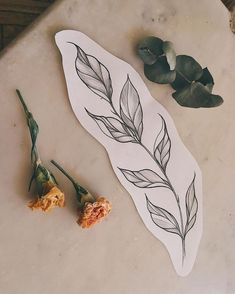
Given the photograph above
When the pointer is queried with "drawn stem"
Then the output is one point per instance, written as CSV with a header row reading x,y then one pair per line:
x,y
183,250
113,108
158,163
168,181
170,186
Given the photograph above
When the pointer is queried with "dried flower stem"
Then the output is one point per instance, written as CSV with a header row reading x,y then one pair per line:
x,y
79,189
63,171
22,102
33,128
49,195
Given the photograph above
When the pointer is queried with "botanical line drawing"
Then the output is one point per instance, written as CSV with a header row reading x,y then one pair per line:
x,y
126,125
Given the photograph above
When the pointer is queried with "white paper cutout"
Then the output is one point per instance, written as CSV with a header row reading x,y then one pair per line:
x,y
113,104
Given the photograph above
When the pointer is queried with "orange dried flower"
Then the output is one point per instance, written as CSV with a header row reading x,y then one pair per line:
x,y
54,197
94,212
49,195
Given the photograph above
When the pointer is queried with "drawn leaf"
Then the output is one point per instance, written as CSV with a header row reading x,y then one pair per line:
x,y
130,108
191,206
112,128
162,218
93,74
162,148
144,178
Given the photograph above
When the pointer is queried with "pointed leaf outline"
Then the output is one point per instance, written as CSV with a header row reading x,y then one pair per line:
x,y
93,74
144,178
191,206
112,128
162,148
163,218
130,108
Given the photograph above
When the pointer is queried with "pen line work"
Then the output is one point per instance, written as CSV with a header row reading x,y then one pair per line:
x,y
126,125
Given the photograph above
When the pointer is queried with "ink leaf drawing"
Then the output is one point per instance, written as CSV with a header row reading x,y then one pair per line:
x,y
177,221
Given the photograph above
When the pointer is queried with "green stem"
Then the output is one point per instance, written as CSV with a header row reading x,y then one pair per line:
x,y
76,185
35,156
63,171
32,126
22,102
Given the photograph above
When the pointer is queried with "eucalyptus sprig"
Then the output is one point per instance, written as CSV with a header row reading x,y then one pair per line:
x,y
193,84
48,194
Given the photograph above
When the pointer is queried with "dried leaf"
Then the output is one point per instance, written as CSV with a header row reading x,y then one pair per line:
x,y
163,219
130,108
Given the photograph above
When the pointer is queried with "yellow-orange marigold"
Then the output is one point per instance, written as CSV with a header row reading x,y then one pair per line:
x,y
54,197
94,212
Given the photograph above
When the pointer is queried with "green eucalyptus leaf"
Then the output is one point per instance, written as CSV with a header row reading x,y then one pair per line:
x,y
188,67
207,80
187,70
180,82
169,51
149,49
196,95
159,72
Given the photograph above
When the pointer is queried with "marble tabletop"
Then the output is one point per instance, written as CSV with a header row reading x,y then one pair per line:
x,y
50,253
